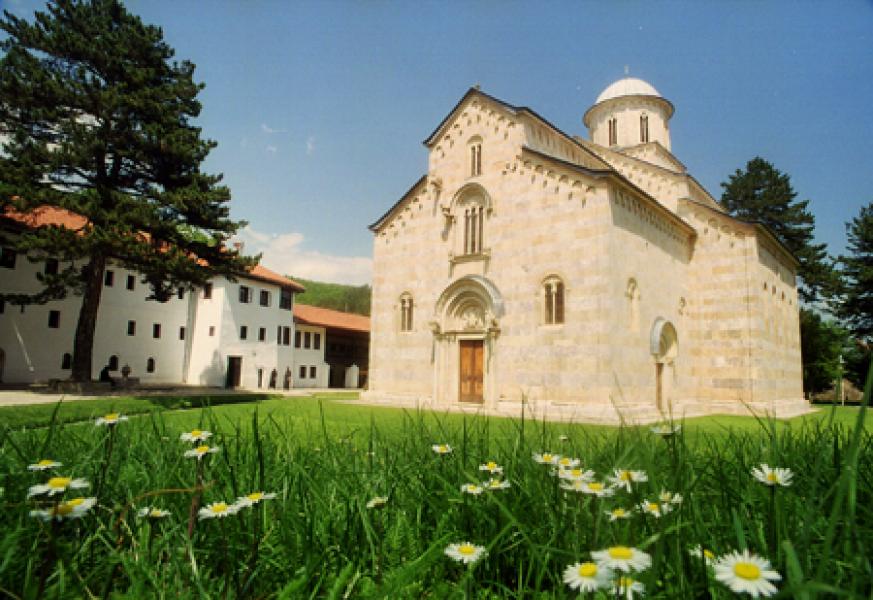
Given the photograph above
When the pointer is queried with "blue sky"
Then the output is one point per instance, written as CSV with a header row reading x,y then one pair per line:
x,y
319,108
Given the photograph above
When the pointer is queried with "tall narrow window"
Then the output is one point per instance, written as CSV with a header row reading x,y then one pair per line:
x,y
474,227
476,159
67,361
131,282
182,332
265,298
156,330
7,258
131,328
54,319
207,291
113,362
316,341
644,128
150,365
406,312
286,299
243,332
613,131
553,296
180,293
298,337
51,266
262,334
307,339
109,278
245,294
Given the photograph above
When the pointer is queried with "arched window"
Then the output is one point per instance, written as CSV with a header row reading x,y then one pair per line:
x,y
475,145
553,298
150,365
633,299
644,128
67,361
406,312
613,131
113,362
474,228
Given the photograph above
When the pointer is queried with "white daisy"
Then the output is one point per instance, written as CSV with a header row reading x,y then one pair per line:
x,y
196,435
772,476
44,464
563,437
655,509
150,512
669,497
492,467
622,558
110,419
377,502
253,498
473,489
465,552
201,451
666,429
75,508
698,551
217,510
576,474
497,484
744,572
57,485
624,478
442,448
565,462
618,513
546,458
627,588
587,577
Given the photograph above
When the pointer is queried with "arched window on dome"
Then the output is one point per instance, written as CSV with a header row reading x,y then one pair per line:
x,y
406,312
644,128
613,131
553,301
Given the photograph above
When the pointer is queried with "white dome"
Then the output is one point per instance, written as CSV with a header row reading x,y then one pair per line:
x,y
629,86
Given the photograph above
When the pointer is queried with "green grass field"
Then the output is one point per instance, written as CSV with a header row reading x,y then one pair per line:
x,y
325,460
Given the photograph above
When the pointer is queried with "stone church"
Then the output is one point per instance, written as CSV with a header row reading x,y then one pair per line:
x,y
590,278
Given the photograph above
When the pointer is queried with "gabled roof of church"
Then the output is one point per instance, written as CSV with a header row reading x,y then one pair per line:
x,y
384,218
660,149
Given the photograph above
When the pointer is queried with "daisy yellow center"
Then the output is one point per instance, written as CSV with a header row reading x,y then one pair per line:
x,y
196,433
576,472
443,448
547,457
155,513
747,571
254,497
708,553
111,417
473,488
772,478
653,506
491,465
587,570
59,483
202,449
595,487
618,512
75,502
625,476
620,552
565,461
45,462
219,508
466,549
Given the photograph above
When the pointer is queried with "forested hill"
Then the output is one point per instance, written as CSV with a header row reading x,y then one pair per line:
x,y
347,298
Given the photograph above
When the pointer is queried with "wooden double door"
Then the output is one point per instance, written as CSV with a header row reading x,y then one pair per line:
x,y
472,354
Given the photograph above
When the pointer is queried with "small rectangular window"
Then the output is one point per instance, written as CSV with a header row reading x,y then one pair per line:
x,y
316,341
243,332
207,291
212,331
286,336
245,294
181,293
131,282
302,372
156,331
312,372
2,306
262,334
298,336
265,298
286,299
67,361
131,328
279,335
7,258
109,278
307,339
182,332
54,319
51,266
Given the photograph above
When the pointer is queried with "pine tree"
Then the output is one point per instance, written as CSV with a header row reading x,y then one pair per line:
x,y
764,194
855,301
98,118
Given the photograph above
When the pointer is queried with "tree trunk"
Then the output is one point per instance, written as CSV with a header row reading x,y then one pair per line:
x,y
83,344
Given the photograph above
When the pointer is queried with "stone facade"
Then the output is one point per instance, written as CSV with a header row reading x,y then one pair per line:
x,y
591,278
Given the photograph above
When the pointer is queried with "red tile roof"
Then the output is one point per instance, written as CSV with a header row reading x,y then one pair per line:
x,y
51,215
325,317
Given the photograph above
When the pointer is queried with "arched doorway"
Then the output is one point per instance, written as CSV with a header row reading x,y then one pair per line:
x,y
465,329
664,347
